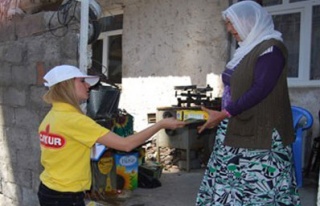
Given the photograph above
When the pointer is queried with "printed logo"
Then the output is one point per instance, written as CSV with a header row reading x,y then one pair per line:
x,y
51,140
128,160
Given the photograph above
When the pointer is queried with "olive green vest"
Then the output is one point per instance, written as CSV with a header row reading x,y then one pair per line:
x,y
253,128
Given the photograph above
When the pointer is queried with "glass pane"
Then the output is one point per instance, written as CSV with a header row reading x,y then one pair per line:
x,y
115,59
110,23
96,57
271,2
291,1
315,44
289,26
258,1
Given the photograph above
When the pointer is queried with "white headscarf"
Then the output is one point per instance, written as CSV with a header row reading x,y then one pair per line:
x,y
253,24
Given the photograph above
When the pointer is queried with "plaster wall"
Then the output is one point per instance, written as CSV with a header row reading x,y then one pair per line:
x,y
177,42
309,98
170,43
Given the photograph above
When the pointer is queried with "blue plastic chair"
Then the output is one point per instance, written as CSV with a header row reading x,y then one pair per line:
x,y
302,120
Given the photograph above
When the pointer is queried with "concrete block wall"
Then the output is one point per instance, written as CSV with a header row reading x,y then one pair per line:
x,y
27,50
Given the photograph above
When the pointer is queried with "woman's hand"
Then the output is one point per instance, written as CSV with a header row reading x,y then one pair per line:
x,y
171,123
215,117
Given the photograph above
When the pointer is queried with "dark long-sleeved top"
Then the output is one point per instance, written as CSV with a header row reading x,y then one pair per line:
x,y
266,73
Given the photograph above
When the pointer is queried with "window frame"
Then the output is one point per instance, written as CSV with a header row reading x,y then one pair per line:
x,y
305,10
104,36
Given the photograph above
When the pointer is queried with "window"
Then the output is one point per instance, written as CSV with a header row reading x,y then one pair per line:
x,y
291,1
291,24
271,2
299,22
315,46
107,50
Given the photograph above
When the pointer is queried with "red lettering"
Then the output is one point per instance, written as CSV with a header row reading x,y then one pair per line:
x,y
51,140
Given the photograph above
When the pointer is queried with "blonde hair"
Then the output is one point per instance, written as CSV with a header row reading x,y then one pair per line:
x,y
63,92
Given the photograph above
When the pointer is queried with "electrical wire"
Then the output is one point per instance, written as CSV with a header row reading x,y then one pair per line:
x,y
65,15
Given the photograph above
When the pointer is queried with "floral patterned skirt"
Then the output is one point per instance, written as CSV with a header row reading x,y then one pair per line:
x,y
238,176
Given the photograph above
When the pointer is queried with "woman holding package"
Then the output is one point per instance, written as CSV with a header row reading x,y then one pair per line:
x,y
67,135
251,162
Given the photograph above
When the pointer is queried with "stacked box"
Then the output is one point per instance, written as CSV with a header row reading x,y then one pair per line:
x,y
103,173
127,170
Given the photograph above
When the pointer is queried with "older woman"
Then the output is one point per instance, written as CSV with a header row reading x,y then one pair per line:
x,y
251,163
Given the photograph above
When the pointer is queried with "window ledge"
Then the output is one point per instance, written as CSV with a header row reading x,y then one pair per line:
x,y
301,84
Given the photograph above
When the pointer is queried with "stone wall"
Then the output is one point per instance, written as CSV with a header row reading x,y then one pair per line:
x,y
27,50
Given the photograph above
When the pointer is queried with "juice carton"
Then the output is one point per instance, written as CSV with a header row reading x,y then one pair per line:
x,y
127,165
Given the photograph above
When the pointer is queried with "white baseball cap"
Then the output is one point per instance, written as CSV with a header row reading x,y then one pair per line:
x,y
65,72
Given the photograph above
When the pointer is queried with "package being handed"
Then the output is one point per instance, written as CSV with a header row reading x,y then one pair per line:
x,y
192,115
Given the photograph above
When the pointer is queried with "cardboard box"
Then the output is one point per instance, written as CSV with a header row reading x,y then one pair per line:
x,y
104,173
127,170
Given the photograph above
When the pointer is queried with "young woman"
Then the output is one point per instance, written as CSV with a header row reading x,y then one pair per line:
x,y
67,135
